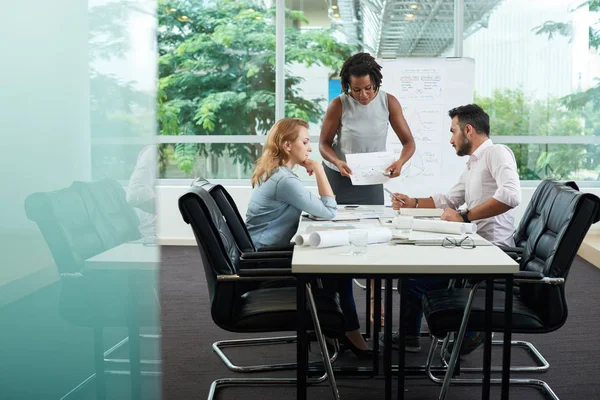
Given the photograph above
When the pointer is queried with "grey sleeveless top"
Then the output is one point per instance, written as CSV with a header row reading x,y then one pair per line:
x,y
363,128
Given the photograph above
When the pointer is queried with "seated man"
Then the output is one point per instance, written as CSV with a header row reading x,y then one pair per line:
x,y
489,189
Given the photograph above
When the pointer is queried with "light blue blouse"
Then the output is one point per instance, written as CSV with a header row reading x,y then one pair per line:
x,y
275,207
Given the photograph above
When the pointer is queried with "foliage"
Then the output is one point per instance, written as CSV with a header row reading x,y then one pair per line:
x,y
550,28
512,113
217,73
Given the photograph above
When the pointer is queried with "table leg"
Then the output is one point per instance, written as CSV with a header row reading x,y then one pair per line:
x,y
487,349
387,335
508,310
376,326
301,343
402,336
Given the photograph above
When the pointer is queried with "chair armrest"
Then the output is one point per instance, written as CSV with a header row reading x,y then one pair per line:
x,y
258,275
266,255
508,249
285,247
536,277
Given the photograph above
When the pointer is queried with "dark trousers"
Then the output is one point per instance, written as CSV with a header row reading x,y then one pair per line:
x,y
344,288
414,300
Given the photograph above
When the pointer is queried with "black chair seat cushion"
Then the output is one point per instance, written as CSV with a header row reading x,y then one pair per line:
x,y
274,309
444,309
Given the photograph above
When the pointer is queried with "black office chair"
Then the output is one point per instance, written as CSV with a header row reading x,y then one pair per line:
x,y
238,304
553,227
76,229
238,229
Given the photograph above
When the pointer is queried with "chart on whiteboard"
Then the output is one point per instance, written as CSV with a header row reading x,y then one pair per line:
x,y
426,89
426,122
420,84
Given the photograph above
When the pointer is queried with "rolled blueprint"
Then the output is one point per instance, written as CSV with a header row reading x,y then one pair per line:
x,y
302,239
322,239
456,228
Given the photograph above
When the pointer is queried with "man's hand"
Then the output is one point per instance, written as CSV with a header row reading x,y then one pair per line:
x,y
451,215
400,200
393,171
344,168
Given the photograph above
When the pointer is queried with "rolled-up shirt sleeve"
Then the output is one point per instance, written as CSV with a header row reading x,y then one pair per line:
x,y
503,168
292,191
454,198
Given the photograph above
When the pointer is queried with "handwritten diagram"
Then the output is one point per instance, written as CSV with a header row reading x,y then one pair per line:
x,y
420,84
368,168
425,122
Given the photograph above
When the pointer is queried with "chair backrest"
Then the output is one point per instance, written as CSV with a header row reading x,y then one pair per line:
x,y
215,240
119,219
531,217
66,222
560,219
233,218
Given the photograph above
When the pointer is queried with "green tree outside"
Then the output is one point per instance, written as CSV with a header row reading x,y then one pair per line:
x,y
217,74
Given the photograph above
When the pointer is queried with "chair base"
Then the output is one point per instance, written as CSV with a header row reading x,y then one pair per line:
x,y
258,382
107,353
218,346
543,386
542,365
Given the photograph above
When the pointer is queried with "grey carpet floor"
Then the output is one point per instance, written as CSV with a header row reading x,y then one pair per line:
x,y
189,365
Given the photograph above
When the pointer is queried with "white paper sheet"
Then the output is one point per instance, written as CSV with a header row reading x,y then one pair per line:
x,y
369,168
456,228
321,239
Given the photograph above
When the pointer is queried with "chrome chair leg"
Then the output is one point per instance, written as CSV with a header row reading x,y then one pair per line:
x,y
258,382
537,383
321,340
73,392
220,345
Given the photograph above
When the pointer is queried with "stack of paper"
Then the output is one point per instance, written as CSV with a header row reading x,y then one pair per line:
x,y
422,212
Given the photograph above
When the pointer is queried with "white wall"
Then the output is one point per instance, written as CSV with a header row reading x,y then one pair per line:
x,y
173,231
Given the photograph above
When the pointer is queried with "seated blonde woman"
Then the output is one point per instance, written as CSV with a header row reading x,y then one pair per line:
x,y
278,199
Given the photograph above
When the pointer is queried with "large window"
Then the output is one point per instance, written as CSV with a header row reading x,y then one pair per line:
x,y
537,74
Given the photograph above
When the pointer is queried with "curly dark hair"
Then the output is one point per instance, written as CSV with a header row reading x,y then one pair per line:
x,y
358,65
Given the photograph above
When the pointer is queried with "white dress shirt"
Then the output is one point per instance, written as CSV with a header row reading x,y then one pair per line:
x,y
491,172
141,188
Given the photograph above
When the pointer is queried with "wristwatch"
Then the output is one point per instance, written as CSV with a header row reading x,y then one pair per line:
x,y
416,202
465,215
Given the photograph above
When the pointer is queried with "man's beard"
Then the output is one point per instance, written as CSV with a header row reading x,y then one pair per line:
x,y
464,148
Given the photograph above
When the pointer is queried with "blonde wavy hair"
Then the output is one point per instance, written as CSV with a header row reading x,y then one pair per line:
x,y
274,156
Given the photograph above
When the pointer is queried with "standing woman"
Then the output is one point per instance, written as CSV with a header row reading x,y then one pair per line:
x,y
357,122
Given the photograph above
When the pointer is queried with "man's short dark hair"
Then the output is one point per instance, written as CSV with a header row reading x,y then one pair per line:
x,y
473,115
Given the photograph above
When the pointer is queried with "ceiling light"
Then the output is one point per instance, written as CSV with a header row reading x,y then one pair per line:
x,y
334,7
414,6
336,15
410,16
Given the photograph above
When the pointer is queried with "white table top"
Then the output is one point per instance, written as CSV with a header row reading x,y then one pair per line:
x,y
390,258
128,257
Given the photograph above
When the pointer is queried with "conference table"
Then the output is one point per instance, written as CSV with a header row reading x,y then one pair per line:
x,y
138,265
403,261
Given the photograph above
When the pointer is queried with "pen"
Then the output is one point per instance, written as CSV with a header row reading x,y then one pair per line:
x,y
394,196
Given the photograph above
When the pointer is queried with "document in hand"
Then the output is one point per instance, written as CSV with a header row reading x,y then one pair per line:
x,y
369,168
456,228
321,239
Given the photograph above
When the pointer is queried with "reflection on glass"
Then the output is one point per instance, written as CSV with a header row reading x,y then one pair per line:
x,y
78,285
